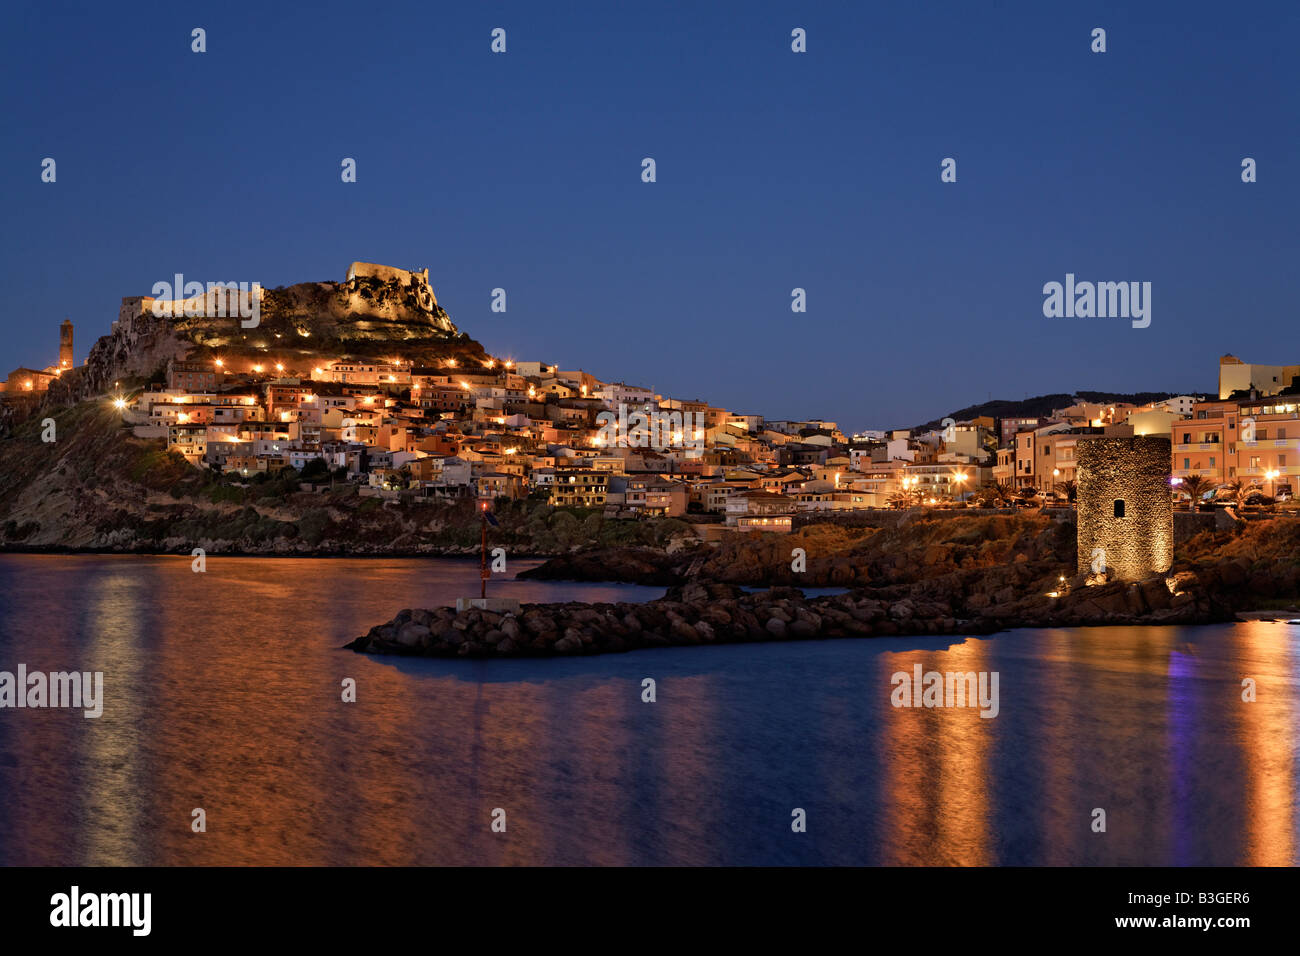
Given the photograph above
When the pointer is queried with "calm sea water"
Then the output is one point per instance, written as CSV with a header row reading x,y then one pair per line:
x,y
223,692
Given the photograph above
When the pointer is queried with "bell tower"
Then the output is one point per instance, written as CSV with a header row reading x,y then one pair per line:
x,y
65,344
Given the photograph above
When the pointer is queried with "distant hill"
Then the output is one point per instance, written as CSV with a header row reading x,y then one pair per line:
x,y
1041,406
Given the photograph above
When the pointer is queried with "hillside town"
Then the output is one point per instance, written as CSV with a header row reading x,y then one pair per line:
x,y
516,429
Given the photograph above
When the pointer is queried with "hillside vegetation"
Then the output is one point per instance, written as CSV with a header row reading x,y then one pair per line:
x,y
97,487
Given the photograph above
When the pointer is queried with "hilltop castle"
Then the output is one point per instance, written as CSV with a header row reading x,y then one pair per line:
x,y
220,302
417,282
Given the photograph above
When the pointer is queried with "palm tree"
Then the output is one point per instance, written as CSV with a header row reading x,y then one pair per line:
x,y
901,499
1069,488
996,493
1237,491
1195,486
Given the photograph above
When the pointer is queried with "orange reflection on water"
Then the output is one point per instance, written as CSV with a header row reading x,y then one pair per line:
x,y
223,691
936,776
1266,729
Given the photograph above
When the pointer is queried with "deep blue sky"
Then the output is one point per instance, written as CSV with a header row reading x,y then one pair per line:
x,y
775,170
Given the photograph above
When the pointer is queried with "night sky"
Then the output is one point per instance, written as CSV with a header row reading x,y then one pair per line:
x,y
775,170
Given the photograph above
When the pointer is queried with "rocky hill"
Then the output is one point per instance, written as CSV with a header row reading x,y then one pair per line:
x,y
299,326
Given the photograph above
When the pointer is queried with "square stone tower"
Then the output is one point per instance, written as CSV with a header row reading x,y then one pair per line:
x,y
1125,507
65,344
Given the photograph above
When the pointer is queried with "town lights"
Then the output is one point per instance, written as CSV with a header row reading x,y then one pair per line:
x,y
279,367
451,363
257,368
119,403
218,363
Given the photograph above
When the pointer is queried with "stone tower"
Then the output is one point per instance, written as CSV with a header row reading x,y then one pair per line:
x,y
1126,508
65,344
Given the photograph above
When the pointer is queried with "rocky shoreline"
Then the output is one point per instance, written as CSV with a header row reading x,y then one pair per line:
x,y
717,613
958,576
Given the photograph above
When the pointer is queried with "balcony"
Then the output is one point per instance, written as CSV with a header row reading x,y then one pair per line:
x,y
1293,443
1282,472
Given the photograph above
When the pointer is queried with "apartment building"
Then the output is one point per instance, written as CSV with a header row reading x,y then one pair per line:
x,y
579,488
1203,443
1267,451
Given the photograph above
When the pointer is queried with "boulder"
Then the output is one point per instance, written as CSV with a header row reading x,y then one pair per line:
x,y
412,635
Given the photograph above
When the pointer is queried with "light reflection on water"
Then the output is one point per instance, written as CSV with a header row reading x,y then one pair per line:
x,y
223,692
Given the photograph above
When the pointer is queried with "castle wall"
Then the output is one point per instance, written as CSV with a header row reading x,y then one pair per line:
x,y
132,307
216,302
372,270
419,281
1134,471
